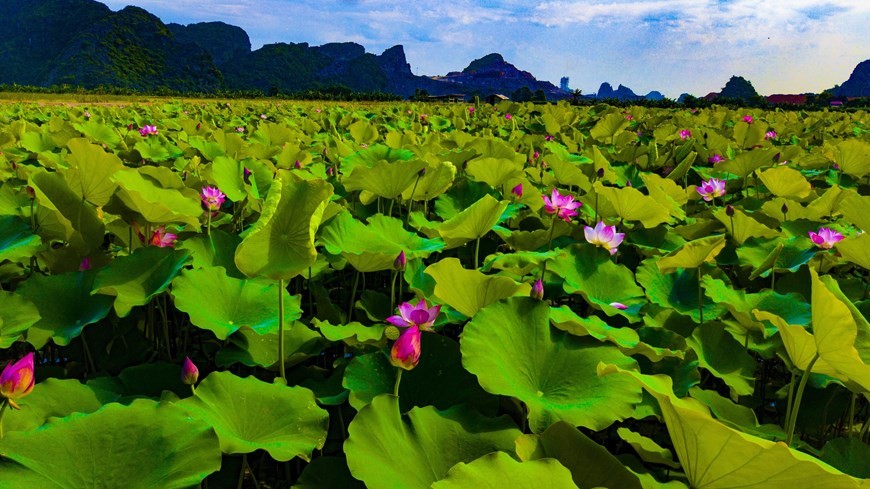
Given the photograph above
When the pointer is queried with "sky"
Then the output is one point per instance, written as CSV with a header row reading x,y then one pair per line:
x,y
679,46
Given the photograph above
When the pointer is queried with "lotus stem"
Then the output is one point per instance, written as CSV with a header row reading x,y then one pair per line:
x,y
398,380
411,199
390,212
797,401
549,245
394,274
476,253
700,298
310,294
852,414
281,371
352,295
3,404
788,406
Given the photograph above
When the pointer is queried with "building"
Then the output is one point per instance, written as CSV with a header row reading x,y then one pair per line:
x,y
563,84
450,97
786,99
496,98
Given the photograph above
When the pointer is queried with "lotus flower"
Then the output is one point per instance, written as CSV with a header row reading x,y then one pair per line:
x,y
537,291
685,134
405,352
508,116
826,238
618,305
189,372
748,119
548,138
562,205
400,262
240,129
147,130
604,236
212,198
17,379
471,111
711,189
87,115
264,116
162,239
716,158
85,264
770,135
518,190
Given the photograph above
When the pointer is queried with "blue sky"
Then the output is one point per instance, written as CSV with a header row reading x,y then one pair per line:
x,y
694,46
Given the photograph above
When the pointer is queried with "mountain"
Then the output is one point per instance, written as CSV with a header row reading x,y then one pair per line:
x,y
84,43
858,84
606,91
738,88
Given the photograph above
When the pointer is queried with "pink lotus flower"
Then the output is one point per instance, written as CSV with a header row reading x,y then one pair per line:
x,y
471,111
240,129
87,115
604,236
85,264
508,116
147,130
537,291
748,119
629,117
826,238
405,352
189,372
400,262
711,189
17,379
518,190
264,116
685,134
716,158
770,135
561,205
212,198
162,239
548,138
618,305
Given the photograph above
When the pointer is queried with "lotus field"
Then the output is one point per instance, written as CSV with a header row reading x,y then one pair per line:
x,y
253,294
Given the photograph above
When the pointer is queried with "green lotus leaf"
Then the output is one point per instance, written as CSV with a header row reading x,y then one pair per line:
x,y
692,254
626,339
497,470
742,227
380,436
494,171
849,455
327,472
800,345
854,208
280,245
590,272
158,195
438,380
435,182
567,173
747,162
64,215
666,192
208,149
716,456
677,291
135,279
251,348
519,327
384,179
724,357
629,204
369,157
156,149
736,416
17,241
216,250
65,304
375,246
783,181
12,201
647,449
776,255
17,315
143,445
361,333
38,142
609,126
590,464
248,414
533,240
468,291
473,222
100,133
852,156
56,398
363,132
90,171
686,160
223,304
856,250
228,175
747,135
791,307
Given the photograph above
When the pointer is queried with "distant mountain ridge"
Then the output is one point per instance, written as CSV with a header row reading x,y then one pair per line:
x,y
85,43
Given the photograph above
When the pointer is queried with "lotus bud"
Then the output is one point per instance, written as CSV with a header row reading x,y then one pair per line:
x,y
17,379
729,210
400,262
85,264
518,190
537,291
405,353
31,194
189,372
330,171
618,305
784,208
297,165
600,172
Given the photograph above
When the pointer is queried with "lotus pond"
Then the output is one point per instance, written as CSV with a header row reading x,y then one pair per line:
x,y
253,294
